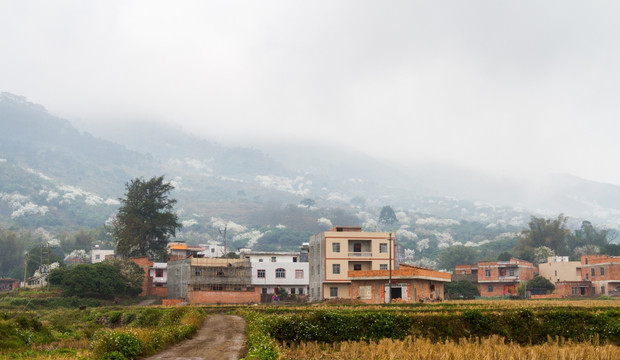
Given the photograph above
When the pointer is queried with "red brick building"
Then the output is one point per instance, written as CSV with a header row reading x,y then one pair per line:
x,y
603,271
409,284
498,278
8,284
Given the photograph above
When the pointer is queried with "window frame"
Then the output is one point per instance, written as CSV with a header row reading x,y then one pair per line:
x,y
261,273
336,269
280,273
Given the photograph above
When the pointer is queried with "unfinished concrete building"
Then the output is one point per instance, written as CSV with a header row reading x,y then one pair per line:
x,y
212,281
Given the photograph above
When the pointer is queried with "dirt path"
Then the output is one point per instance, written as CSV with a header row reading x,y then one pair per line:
x,y
220,337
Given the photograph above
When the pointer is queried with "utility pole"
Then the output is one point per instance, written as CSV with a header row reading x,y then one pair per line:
x,y
25,267
390,260
224,238
49,267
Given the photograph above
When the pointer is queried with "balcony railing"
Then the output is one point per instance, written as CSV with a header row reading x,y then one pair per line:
x,y
360,254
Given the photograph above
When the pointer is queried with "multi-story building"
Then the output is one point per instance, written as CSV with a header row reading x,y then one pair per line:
x,y
501,278
97,254
559,268
279,270
342,249
603,271
211,281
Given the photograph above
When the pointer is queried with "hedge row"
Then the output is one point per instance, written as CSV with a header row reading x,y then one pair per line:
x,y
522,326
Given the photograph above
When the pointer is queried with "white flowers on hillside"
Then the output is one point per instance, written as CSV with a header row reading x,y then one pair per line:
x,y
432,221
22,205
294,186
325,222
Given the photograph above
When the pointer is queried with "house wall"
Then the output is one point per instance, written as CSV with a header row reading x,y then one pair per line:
x,y
290,269
556,271
9,284
224,297
178,278
416,290
98,255
604,273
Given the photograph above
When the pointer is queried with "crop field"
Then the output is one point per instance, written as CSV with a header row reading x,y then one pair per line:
x,y
94,333
484,329
500,329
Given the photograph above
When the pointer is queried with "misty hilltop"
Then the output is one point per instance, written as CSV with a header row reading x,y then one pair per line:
x,y
54,175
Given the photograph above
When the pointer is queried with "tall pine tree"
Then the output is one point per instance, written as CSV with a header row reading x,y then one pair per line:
x,y
145,220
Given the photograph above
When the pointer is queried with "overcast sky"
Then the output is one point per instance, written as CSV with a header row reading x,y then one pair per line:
x,y
503,86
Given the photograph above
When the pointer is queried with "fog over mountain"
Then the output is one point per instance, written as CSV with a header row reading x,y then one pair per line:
x,y
38,145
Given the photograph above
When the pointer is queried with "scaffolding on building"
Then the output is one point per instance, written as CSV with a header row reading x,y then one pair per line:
x,y
213,274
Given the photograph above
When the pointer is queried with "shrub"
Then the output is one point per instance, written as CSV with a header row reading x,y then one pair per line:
x,y
127,344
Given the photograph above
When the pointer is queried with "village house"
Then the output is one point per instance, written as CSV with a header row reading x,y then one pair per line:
x,y
498,278
566,276
335,253
39,278
603,271
279,270
155,277
97,254
180,250
8,284
409,284
211,281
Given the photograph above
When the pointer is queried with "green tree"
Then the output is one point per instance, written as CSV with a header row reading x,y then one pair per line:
x,y
95,281
543,232
587,235
12,254
505,256
611,249
145,220
456,255
387,216
540,282
460,289
131,273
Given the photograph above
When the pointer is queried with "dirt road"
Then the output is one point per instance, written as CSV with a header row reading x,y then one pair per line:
x,y
220,337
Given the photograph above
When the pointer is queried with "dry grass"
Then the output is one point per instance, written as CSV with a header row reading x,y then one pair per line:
x,y
415,348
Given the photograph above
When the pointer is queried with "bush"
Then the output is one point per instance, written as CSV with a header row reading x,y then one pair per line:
x,y
127,344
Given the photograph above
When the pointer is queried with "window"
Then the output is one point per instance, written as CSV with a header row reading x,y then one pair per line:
x,y
97,256
220,272
602,271
301,291
383,267
587,276
487,273
260,273
273,259
592,272
333,292
357,247
602,290
357,267
280,273
336,247
159,273
489,289
212,250
294,258
260,260
573,291
264,290
511,272
586,261
556,273
198,272
336,269
292,290
383,248
217,288
299,274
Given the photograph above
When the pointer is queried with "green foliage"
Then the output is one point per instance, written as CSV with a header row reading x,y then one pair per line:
x,y
387,216
540,282
146,220
126,344
461,289
543,232
101,280
456,255
587,235
505,256
259,344
281,240
131,273
524,326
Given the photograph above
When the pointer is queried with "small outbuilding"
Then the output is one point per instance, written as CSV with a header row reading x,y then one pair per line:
x,y
409,284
